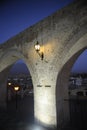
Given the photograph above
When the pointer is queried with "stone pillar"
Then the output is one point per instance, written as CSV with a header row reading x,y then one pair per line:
x,y
3,88
44,99
63,115
2,95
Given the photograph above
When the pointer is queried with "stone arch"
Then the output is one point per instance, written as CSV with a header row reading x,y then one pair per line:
x,y
68,60
8,59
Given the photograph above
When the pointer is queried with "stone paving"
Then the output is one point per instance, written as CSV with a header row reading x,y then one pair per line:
x,y
22,117
17,118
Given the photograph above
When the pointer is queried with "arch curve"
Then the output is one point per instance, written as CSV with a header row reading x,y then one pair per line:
x,y
63,77
10,56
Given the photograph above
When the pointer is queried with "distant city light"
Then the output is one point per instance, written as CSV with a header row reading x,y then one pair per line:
x,y
9,83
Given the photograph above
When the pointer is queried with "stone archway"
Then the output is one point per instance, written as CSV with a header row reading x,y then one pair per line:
x,y
7,61
20,102
63,115
64,35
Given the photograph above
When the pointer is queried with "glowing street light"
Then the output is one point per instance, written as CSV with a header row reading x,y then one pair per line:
x,y
9,83
16,88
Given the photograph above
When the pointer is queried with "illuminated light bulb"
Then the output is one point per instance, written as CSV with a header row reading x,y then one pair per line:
x,y
16,88
37,46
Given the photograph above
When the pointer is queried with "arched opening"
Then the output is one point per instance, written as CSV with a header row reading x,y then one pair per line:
x,y
20,104
77,92
77,45
63,96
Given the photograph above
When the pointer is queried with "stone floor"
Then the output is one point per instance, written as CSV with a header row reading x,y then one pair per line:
x,y
21,117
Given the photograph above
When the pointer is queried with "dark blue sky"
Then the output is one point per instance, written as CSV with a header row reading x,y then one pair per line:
x,y
17,15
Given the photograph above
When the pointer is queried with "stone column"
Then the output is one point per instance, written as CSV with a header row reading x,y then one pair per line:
x,y
3,88
2,95
45,98
63,115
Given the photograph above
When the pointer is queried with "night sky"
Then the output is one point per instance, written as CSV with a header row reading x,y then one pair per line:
x,y
17,15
